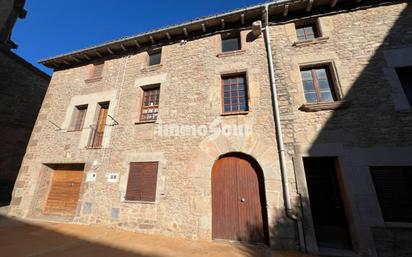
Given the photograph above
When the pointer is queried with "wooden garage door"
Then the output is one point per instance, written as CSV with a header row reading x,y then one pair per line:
x,y
64,192
238,204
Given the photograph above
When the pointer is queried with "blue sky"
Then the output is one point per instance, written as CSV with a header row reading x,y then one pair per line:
x,y
54,27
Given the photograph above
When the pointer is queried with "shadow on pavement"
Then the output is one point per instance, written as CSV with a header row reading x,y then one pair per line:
x,y
34,239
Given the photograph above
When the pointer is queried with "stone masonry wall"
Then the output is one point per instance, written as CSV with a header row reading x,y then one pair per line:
x,y
371,131
190,77
21,94
190,94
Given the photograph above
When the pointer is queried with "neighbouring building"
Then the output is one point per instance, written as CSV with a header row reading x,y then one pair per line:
x,y
22,89
174,131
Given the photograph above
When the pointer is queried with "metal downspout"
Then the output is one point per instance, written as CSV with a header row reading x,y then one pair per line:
x,y
281,146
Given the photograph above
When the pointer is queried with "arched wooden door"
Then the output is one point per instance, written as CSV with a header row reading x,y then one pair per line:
x,y
238,201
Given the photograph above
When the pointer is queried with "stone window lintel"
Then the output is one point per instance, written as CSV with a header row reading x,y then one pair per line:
x,y
91,80
234,113
144,122
152,68
314,41
231,53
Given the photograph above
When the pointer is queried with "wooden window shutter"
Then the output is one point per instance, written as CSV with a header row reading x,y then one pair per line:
x,y
393,187
97,70
80,116
97,139
142,181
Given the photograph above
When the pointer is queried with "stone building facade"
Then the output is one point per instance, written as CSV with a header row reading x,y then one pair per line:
x,y
365,131
23,87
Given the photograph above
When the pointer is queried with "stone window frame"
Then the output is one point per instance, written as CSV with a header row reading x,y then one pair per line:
x,y
141,187
339,103
143,157
243,72
321,37
243,43
92,101
141,84
145,89
153,52
147,67
396,58
234,34
75,116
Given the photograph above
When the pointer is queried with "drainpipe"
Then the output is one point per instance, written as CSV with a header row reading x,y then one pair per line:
x,y
281,146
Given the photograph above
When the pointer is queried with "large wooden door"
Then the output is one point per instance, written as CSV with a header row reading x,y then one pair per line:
x,y
238,202
64,192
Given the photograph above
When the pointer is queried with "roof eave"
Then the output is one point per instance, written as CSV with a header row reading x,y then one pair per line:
x,y
281,8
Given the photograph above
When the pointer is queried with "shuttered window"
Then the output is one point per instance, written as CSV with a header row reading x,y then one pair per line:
x,y
97,70
142,181
393,187
78,117
405,77
96,136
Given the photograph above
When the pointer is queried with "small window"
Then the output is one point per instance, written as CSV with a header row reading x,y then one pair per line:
x,y
405,77
97,70
79,116
307,31
155,57
231,42
150,103
393,187
318,84
234,91
142,182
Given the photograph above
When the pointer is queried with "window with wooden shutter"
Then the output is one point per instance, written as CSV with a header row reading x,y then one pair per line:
x,y
78,117
393,187
142,182
96,70
96,136
150,103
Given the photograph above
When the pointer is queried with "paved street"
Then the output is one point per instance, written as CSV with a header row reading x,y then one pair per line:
x,y
32,239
